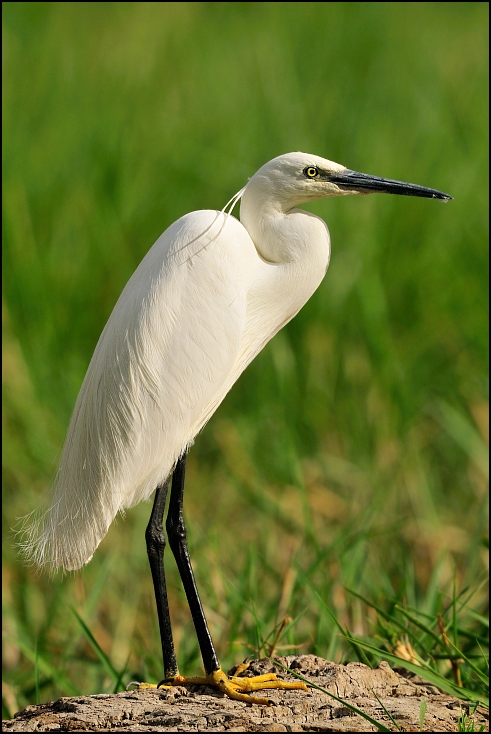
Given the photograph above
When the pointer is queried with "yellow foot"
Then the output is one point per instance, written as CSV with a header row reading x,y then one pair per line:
x,y
233,686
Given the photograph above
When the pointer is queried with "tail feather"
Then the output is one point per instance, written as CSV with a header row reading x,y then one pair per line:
x,y
60,539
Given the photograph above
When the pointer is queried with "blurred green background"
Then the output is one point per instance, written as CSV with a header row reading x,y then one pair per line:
x,y
351,455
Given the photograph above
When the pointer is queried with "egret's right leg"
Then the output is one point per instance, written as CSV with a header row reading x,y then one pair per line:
x,y
177,535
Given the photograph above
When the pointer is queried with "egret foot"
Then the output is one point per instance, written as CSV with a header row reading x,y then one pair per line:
x,y
234,686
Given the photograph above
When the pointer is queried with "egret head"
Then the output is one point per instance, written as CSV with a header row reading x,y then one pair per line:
x,y
296,178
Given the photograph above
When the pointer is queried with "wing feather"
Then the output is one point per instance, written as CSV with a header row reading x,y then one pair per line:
x,y
160,369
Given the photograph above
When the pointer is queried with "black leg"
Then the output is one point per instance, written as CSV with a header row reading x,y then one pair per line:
x,y
154,536
176,532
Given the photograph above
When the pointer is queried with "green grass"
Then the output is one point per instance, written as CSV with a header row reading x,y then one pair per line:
x,y
343,481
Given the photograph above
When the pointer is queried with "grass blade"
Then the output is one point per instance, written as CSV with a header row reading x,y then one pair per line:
x,y
391,718
422,713
36,671
109,667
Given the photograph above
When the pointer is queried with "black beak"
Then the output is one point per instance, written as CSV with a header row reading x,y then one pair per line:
x,y
365,184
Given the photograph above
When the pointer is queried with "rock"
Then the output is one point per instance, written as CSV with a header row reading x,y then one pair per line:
x,y
206,709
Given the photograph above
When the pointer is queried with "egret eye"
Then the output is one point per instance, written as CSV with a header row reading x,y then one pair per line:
x,y
311,171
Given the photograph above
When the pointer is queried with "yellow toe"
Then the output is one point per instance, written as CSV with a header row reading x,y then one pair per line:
x,y
238,688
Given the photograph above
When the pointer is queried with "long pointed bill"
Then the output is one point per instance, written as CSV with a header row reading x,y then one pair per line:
x,y
366,184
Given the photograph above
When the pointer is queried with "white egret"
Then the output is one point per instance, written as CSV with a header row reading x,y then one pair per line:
x,y
206,298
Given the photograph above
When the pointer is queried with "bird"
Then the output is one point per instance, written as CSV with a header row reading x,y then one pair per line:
x,y
204,301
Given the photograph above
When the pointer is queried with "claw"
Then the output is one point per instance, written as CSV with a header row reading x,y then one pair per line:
x,y
133,683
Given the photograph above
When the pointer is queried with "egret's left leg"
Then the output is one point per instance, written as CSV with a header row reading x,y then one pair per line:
x,y
155,540
234,686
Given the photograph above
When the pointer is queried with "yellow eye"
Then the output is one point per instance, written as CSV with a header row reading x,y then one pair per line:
x,y
311,171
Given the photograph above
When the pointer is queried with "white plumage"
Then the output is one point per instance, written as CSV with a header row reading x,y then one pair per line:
x,y
203,302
